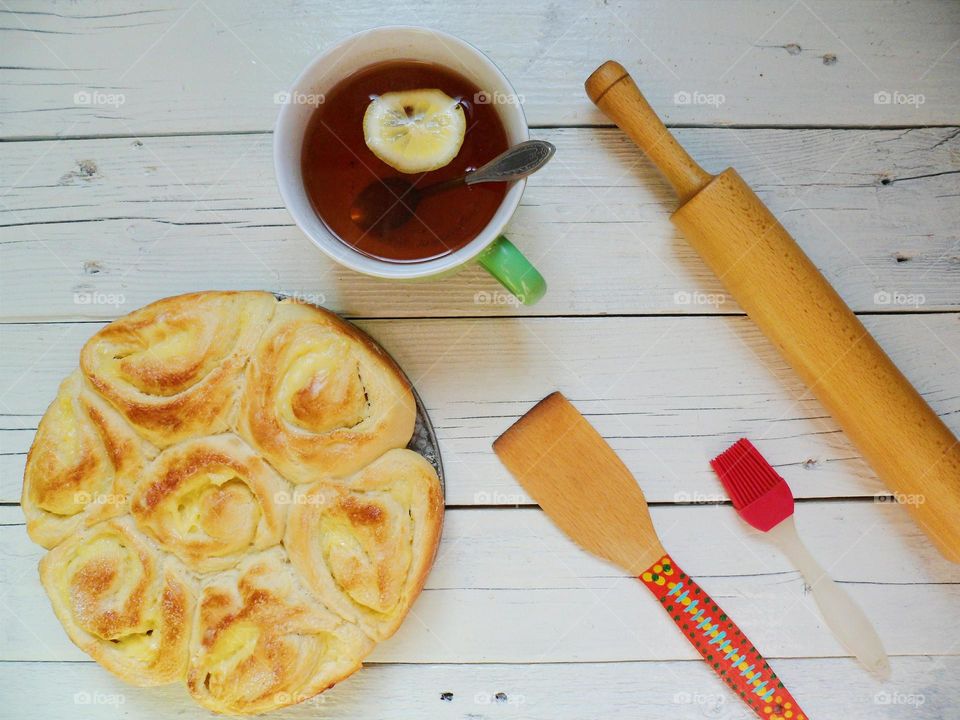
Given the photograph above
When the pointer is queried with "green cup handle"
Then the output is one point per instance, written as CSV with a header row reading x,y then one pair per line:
x,y
508,265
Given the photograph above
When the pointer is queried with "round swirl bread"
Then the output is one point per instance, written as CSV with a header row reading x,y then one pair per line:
x,y
227,499
209,501
321,398
122,602
173,368
364,547
81,465
261,638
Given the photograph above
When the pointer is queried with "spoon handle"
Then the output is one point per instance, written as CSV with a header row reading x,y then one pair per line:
x,y
517,162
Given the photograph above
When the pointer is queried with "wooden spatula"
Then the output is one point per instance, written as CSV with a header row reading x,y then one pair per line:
x,y
586,490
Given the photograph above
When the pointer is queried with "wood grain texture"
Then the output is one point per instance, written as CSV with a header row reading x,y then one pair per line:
x,y
611,88
579,482
803,316
92,228
667,393
924,687
896,431
782,62
95,228
587,492
509,587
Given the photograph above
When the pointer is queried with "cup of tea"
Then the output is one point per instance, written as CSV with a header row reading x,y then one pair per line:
x,y
387,107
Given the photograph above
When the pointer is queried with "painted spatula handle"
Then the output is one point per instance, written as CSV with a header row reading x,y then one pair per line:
x,y
721,643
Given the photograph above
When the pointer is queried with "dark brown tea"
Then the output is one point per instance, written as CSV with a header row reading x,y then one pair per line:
x,y
337,165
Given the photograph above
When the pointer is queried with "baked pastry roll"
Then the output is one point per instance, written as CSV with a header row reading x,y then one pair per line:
x,y
320,399
205,440
211,500
364,547
122,602
173,368
261,642
81,465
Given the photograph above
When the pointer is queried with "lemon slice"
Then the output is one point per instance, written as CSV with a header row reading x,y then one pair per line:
x,y
416,130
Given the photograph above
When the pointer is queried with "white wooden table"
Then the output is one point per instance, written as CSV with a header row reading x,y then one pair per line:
x,y
136,164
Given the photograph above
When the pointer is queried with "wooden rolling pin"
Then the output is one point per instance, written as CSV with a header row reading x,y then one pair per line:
x,y
908,446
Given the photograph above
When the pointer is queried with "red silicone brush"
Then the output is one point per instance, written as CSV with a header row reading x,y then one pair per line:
x,y
764,500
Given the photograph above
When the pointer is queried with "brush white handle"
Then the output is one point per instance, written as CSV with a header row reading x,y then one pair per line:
x,y
844,617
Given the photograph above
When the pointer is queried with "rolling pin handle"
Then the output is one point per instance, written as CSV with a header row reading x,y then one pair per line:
x,y
612,89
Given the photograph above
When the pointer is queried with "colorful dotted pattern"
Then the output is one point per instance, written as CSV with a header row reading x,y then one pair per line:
x,y
728,651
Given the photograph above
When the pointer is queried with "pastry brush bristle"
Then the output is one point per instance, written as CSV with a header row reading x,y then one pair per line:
x,y
744,472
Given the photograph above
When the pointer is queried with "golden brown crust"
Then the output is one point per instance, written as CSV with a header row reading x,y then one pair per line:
x,y
261,642
164,473
173,368
122,602
364,547
83,462
210,501
320,399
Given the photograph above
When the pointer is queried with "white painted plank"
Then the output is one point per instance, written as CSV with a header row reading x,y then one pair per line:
x,y
924,688
508,587
782,62
124,222
670,393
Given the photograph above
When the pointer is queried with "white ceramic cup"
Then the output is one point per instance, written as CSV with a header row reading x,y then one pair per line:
x,y
399,42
